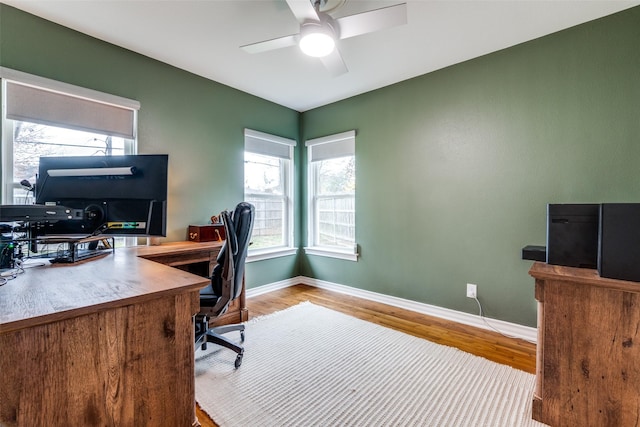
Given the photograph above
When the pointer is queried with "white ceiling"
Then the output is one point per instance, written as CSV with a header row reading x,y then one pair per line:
x,y
204,36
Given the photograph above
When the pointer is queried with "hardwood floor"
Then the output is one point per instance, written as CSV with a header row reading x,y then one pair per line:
x,y
516,353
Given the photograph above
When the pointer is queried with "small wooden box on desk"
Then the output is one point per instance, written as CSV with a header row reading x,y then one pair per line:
x,y
197,258
206,233
588,355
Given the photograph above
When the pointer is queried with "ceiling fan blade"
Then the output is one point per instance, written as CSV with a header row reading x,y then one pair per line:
x,y
334,63
272,44
303,10
374,20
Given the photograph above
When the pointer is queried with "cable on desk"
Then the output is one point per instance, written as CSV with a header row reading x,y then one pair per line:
x,y
5,276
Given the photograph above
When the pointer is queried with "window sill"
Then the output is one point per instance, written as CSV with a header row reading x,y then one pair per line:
x,y
262,254
331,253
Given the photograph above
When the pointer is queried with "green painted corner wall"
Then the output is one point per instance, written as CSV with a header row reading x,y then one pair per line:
x,y
455,168
199,123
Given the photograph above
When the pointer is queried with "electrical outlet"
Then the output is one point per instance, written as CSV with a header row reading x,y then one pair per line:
x,y
472,290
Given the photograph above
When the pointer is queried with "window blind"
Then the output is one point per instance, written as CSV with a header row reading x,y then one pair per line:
x,y
269,145
39,105
333,146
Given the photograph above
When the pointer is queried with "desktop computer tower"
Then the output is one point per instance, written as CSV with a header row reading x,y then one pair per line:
x,y
572,235
7,252
619,241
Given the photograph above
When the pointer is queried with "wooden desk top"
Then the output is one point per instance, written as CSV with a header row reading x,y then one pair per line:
x,y
54,292
586,276
176,248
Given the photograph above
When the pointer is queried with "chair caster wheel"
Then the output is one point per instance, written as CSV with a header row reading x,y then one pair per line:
x,y
241,336
238,361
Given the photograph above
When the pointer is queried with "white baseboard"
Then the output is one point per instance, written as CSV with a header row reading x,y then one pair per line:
x,y
270,287
506,328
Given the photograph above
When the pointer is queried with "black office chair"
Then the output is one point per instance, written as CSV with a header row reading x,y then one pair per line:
x,y
226,281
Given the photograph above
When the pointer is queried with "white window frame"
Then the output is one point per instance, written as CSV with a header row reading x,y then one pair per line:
x,y
281,148
8,76
75,96
328,147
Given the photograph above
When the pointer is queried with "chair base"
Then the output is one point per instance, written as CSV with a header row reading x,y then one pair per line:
x,y
205,335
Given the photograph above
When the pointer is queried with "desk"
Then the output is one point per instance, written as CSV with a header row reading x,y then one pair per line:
x,y
106,342
588,348
197,258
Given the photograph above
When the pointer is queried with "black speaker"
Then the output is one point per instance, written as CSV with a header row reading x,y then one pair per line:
x,y
534,253
157,222
572,235
619,241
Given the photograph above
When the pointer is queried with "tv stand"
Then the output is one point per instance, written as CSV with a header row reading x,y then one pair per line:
x,y
588,348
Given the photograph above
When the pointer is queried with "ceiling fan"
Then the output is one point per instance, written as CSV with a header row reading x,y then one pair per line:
x,y
319,31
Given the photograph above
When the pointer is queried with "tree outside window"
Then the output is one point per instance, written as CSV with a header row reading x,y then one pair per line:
x,y
32,141
332,194
268,185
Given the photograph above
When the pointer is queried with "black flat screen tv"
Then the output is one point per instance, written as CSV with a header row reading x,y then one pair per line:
x,y
119,195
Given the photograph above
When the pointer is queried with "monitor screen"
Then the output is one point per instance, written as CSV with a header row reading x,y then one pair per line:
x,y
120,195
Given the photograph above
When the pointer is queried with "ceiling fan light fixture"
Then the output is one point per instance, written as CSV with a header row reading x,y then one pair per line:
x,y
316,40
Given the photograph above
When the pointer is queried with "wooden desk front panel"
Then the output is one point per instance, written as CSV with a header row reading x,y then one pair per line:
x,y
197,258
126,366
588,351
107,342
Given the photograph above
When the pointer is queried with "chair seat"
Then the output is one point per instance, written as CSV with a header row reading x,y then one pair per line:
x,y
208,297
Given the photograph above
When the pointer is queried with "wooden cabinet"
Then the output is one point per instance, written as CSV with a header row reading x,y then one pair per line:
x,y
588,355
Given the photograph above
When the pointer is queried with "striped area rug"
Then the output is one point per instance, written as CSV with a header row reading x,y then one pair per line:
x,y
312,366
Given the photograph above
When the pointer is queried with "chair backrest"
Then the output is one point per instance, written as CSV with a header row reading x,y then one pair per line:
x,y
227,276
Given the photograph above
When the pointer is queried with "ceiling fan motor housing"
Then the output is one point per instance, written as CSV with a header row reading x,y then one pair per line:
x,y
326,24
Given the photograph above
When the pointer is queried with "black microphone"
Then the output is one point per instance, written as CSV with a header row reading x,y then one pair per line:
x,y
26,184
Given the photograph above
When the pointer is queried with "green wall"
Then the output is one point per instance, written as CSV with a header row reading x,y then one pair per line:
x,y
199,123
455,168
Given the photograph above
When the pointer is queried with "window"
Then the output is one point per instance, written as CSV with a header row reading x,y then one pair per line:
x,y
43,117
32,140
332,190
268,185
